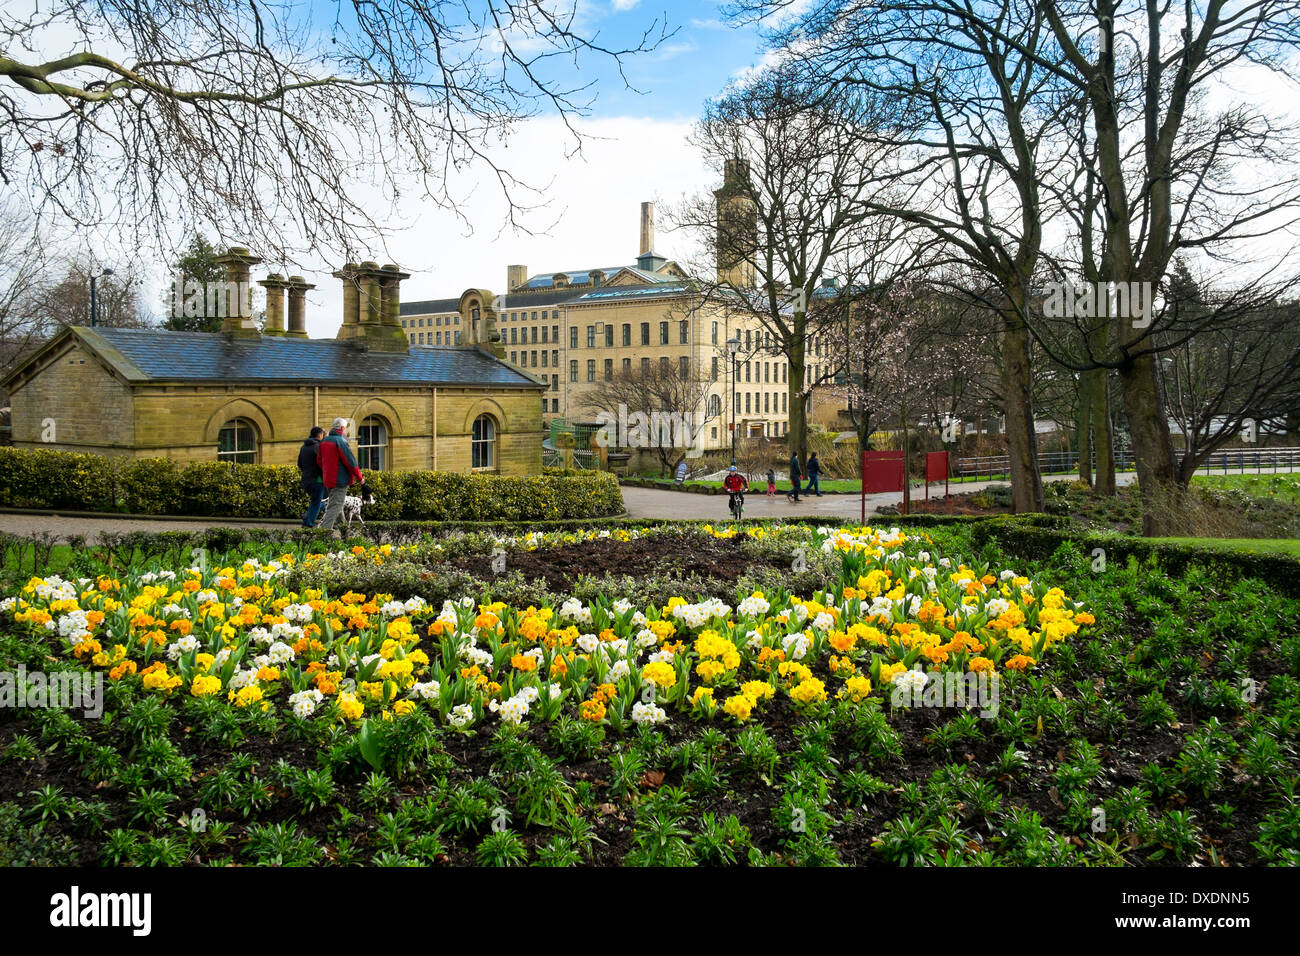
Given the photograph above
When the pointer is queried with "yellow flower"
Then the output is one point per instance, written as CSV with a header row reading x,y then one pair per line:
x,y
204,686
738,706
809,691
349,707
659,673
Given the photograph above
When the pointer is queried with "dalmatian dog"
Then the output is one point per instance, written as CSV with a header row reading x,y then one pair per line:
x,y
352,504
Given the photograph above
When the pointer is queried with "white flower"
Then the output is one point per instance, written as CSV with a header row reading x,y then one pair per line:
x,y
244,678
206,597
1006,575
646,638
753,606
587,643
823,622
664,656
280,653
622,606
910,683
618,671
639,619
298,612
796,646
8,603
429,690
393,609
754,640
461,715
304,702
996,607
648,713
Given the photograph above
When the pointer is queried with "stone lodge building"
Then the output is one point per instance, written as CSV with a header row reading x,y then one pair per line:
x,y
244,395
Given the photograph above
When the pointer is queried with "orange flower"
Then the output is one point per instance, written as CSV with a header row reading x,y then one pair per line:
x,y
524,662
1020,662
593,710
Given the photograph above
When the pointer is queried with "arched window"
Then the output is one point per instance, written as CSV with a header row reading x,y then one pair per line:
x,y
483,445
372,444
237,442
715,406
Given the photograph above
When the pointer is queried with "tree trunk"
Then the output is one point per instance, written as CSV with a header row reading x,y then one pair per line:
x,y
1103,436
1022,442
1163,498
1083,428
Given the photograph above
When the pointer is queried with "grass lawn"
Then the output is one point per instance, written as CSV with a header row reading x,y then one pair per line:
x,y
1282,486
1259,545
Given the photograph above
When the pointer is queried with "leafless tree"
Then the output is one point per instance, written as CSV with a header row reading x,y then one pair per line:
x,y
262,119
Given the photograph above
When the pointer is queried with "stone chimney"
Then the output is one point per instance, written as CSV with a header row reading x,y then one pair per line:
x,y
647,228
298,287
515,277
371,307
274,285
237,319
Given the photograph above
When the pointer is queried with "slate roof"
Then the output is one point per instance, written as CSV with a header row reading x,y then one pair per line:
x,y
513,300
158,356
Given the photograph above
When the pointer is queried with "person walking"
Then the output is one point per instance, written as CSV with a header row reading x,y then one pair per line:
x,y
814,470
795,475
309,469
338,469
771,483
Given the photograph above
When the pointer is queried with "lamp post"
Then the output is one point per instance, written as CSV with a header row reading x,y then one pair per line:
x,y
94,300
733,349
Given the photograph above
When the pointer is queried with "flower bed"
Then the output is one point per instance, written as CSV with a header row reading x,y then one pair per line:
x,y
238,633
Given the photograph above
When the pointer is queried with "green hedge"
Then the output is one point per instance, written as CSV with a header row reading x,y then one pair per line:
x,y
1038,537
36,478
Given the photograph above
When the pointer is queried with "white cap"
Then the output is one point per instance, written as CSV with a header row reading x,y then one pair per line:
x,y
340,423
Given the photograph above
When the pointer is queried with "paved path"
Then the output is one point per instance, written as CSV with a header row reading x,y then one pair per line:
x,y
62,527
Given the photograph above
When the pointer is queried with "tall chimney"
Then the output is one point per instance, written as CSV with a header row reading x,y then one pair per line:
x,y
515,277
238,319
298,287
647,228
274,285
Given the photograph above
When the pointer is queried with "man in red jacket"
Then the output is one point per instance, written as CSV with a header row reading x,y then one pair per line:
x,y
338,469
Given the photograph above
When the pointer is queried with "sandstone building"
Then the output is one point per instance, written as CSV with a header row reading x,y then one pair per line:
x,y
244,395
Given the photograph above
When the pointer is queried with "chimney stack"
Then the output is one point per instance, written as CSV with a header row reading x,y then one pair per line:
x,y
274,285
298,287
238,318
371,307
515,277
647,228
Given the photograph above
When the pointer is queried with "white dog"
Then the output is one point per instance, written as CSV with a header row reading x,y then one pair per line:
x,y
352,505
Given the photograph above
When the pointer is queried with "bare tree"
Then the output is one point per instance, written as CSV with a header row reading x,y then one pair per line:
x,y
255,119
663,405
22,325
790,237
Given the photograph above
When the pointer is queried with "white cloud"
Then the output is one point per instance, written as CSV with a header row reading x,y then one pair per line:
x,y
624,5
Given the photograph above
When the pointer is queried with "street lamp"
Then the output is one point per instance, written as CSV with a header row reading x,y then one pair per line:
x,y
94,301
733,349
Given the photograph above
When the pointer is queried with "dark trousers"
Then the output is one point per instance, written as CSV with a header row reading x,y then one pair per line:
x,y
794,487
317,495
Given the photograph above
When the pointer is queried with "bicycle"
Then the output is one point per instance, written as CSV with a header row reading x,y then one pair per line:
x,y
738,504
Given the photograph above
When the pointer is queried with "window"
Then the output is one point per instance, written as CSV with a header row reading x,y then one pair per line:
x,y
749,340
543,358
736,403
591,370
555,333
514,335
545,404
664,365
746,371
555,357
747,397
785,401
483,444
645,367
609,369
627,334
785,373
715,333
627,366
555,405
555,381
573,370
715,409
421,338
533,359
684,367
237,442
591,336
715,368
663,333
534,335
514,358
645,333
683,332
609,336
534,316
767,371
545,331
766,399
372,444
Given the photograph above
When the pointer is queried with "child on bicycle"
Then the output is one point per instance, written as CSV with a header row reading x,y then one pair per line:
x,y
735,484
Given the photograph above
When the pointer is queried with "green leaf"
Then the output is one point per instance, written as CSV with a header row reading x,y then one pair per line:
x,y
368,744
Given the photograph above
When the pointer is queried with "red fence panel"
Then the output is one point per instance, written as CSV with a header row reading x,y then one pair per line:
x,y
881,471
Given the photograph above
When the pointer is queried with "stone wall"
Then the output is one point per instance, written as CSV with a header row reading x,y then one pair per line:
x,y
90,407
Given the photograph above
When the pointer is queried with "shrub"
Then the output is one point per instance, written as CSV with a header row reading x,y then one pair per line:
x,y
37,478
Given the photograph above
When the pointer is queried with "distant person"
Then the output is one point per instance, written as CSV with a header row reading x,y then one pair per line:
x,y
339,469
814,469
309,469
795,475
771,483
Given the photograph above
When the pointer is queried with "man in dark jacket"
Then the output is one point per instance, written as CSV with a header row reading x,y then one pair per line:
x,y
309,468
795,475
338,469
814,470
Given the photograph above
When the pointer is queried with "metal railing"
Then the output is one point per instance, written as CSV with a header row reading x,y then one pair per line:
x,y
1225,461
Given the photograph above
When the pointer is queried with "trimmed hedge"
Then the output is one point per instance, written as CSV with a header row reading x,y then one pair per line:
x,y
36,478
1038,537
